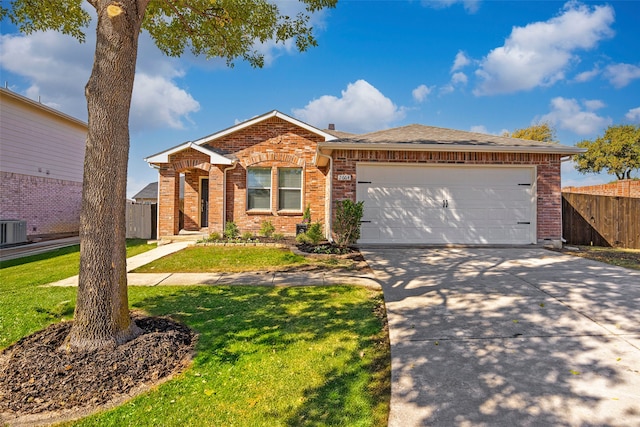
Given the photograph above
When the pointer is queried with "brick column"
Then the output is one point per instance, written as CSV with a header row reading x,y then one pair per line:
x,y
191,207
549,201
216,200
169,203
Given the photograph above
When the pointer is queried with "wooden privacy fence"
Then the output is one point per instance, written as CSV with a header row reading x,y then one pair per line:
x,y
142,221
601,220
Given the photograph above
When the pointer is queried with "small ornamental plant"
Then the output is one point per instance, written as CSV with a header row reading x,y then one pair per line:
x,y
231,230
346,226
314,233
306,216
266,229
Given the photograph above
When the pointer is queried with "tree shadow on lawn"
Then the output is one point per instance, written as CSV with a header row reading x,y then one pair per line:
x,y
337,334
488,337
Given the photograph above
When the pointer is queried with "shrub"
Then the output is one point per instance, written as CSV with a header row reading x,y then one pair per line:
x,y
278,236
231,230
302,238
266,229
247,235
213,237
314,233
347,223
306,216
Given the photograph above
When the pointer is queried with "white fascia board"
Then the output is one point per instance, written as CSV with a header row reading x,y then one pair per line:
x,y
258,119
214,158
327,148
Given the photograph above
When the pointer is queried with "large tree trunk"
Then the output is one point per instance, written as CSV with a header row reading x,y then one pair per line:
x,y
102,313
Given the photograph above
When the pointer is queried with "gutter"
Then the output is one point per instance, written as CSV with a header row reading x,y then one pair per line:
x,y
408,146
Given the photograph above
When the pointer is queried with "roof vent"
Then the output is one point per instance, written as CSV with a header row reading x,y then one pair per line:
x,y
332,126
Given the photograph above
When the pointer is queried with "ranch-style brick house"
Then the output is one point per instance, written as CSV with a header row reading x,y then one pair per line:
x,y
419,184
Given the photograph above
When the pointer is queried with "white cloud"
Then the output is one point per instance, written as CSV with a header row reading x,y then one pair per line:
x,y
470,6
586,76
158,103
421,92
568,114
593,104
461,61
480,129
361,108
633,115
57,68
540,53
459,78
621,75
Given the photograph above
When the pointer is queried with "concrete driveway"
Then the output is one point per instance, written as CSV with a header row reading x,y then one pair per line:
x,y
506,337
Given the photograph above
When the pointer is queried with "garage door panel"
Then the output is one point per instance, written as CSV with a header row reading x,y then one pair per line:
x,y
446,204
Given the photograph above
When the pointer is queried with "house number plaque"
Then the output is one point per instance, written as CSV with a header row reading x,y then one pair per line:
x,y
345,177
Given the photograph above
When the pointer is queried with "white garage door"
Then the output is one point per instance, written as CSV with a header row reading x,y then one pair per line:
x,y
453,204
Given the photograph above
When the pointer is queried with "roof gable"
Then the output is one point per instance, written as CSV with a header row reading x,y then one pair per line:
x,y
246,124
214,158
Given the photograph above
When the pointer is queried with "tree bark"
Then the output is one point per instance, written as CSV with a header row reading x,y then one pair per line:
x,y
101,316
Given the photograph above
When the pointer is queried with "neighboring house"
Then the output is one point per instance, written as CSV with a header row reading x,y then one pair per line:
x,y
419,184
149,194
41,166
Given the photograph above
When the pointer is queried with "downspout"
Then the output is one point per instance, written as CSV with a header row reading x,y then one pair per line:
x,y
224,193
328,213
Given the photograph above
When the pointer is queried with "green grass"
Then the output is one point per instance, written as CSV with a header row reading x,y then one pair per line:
x,y
203,259
268,357
265,356
25,306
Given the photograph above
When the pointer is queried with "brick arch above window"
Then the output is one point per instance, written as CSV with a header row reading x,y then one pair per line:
x,y
186,164
272,157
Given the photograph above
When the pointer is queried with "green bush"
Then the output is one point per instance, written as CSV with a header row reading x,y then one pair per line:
x,y
278,236
314,233
231,230
266,229
302,238
247,235
213,237
306,216
347,223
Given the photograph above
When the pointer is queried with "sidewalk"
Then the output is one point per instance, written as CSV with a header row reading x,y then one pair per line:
x,y
293,278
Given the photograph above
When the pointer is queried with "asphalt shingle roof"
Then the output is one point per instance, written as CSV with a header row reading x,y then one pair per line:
x,y
421,134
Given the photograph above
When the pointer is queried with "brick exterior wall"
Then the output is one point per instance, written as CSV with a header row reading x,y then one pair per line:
x,y
50,206
549,197
275,143
272,143
621,188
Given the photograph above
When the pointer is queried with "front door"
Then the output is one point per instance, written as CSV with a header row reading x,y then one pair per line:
x,y
204,203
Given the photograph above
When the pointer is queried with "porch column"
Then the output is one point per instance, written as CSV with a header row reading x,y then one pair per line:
x,y
169,202
191,208
216,200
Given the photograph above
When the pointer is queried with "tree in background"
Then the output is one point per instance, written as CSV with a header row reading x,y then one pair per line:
x,y
542,132
228,29
617,152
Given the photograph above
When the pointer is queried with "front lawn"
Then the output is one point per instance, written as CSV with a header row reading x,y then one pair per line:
x,y
234,259
265,356
25,307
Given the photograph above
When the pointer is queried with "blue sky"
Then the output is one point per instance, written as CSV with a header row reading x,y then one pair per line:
x,y
476,65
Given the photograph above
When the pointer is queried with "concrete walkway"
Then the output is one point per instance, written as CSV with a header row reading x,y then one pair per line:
x,y
510,337
292,278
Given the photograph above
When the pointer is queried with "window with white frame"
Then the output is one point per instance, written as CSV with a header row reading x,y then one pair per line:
x,y
259,188
290,189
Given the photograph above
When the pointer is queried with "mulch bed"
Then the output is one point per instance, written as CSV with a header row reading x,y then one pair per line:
x,y
38,378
